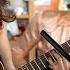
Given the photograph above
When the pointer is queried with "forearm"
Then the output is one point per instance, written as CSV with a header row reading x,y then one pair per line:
x,y
5,50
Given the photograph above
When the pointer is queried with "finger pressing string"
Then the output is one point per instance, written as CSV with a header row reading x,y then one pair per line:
x,y
53,65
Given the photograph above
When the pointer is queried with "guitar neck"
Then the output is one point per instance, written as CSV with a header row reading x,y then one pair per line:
x,y
37,64
66,46
56,45
42,62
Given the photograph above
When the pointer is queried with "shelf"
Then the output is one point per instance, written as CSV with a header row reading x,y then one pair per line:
x,y
23,17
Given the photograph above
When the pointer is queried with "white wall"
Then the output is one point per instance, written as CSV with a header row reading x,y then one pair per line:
x,y
42,2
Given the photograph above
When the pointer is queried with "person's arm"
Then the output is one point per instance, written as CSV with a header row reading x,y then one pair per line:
x,y
5,50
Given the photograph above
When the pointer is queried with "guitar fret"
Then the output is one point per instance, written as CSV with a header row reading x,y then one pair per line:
x,y
66,47
23,68
37,65
49,56
29,66
45,57
45,60
33,64
26,67
42,63
68,42
52,56
55,51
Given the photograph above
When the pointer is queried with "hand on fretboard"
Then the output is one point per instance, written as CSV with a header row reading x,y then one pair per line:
x,y
44,60
66,46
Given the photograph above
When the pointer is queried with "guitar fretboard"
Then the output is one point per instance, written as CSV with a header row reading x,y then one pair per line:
x,y
42,62
66,46
37,64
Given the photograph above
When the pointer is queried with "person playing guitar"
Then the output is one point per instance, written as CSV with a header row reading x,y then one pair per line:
x,y
57,25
